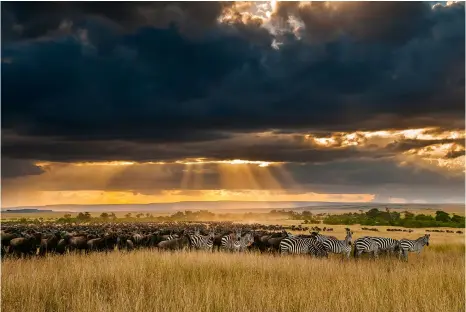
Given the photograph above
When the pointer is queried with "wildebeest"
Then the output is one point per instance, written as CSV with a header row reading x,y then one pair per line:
x,y
175,243
25,246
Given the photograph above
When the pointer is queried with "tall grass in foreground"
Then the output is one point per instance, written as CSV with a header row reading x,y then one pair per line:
x,y
152,281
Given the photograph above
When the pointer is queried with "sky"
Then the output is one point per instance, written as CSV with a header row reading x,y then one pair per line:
x,y
142,102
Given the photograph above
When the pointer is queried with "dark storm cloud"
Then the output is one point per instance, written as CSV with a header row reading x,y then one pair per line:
x,y
84,77
272,150
12,168
391,22
29,20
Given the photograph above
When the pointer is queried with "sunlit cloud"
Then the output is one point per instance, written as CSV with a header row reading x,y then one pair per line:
x,y
444,155
372,139
264,14
247,11
202,161
437,156
196,161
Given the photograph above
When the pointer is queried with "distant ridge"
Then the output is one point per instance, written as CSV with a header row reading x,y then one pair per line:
x,y
227,206
25,210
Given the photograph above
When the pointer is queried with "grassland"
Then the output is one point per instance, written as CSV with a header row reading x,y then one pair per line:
x,y
152,281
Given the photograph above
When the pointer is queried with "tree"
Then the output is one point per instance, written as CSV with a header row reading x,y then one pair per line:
x,y
457,219
423,217
409,215
373,213
104,215
67,216
83,216
442,216
112,216
128,215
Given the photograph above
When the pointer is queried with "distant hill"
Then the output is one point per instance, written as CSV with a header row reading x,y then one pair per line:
x,y
228,206
170,207
25,210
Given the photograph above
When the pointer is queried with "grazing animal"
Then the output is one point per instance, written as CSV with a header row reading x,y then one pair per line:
x,y
244,242
26,246
49,244
274,242
389,245
6,239
303,245
366,245
407,245
174,244
339,246
197,241
76,242
322,238
229,242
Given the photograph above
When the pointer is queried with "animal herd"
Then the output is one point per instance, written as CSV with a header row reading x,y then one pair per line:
x,y
445,231
40,240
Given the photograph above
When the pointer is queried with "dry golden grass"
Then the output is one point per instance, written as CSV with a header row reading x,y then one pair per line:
x,y
153,281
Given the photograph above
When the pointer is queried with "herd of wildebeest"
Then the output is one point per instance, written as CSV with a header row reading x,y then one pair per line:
x,y
28,240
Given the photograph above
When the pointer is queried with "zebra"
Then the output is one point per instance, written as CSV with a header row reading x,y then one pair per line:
x,y
322,238
244,242
303,245
366,244
229,242
339,246
170,237
407,245
197,241
387,244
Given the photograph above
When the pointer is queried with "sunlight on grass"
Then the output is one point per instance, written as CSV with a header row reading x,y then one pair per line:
x,y
153,281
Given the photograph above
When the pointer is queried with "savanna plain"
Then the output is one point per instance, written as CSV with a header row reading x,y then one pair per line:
x,y
146,280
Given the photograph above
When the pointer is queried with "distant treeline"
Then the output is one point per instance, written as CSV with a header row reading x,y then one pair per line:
x,y
404,219
372,217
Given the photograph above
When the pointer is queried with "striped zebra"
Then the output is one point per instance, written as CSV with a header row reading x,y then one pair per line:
x,y
339,246
231,241
407,245
201,242
322,238
170,237
387,244
244,242
366,244
303,245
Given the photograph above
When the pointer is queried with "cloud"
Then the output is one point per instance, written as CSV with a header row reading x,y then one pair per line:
x,y
337,177
157,83
12,168
35,20
166,81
